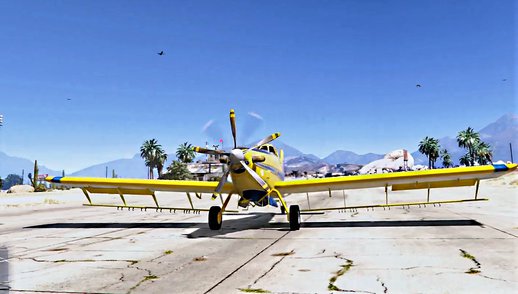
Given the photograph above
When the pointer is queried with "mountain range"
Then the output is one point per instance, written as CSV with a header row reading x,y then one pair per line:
x,y
18,165
498,134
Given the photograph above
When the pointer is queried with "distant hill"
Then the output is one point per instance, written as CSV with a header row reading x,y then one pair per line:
x,y
342,156
15,165
303,163
499,134
134,167
289,151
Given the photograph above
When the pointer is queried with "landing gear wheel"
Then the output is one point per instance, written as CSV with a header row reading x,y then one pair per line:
x,y
215,221
294,217
283,210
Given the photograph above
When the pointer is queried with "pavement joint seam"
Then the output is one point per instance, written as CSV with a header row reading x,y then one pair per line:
x,y
486,225
246,262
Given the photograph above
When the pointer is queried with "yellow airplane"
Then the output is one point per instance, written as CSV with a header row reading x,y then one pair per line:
x,y
257,175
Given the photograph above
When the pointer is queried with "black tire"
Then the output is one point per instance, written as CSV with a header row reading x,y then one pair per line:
x,y
214,222
294,217
283,210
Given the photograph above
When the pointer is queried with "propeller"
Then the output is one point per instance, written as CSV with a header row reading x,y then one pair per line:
x,y
266,140
233,126
237,158
209,151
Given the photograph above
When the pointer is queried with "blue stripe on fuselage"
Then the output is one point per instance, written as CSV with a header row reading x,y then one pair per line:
x,y
262,151
56,179
500,167
272,169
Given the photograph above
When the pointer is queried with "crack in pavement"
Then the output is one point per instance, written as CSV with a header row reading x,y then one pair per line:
x,y
271,268
472,270
385,289
54,291
147,277
344,268
503,280
70,242
80,260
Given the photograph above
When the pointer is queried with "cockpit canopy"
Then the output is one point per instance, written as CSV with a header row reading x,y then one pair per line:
x,y
269,148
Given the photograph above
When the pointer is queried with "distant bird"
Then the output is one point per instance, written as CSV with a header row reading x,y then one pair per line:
x,y
503,80
68,99
418,86
161,53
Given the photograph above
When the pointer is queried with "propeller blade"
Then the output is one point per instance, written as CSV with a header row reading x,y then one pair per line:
x,y
209,151
256,177
221,183
233,126
267,140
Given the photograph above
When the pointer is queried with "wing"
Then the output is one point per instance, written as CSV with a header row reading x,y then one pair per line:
x,y
140,187
436,178
136,186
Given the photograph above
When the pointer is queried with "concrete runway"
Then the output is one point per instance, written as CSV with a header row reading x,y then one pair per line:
x,y
53,244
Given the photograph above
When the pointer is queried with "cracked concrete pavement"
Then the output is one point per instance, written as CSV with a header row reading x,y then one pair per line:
x,y
61,246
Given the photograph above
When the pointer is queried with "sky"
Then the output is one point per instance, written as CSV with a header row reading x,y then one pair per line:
x,y
81,82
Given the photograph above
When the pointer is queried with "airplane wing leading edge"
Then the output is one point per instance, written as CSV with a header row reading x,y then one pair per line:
x,y
436,178
135,186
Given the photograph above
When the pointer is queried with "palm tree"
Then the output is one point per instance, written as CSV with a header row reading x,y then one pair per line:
x,y
446,158
154,156
483,153
185,152
430,147
465,159
468,139
160,160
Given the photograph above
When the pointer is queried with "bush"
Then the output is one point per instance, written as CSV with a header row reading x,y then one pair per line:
x,y
177,171
40,188
10,181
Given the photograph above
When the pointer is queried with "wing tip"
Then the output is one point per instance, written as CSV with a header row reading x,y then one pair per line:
x,y
501,167
53,179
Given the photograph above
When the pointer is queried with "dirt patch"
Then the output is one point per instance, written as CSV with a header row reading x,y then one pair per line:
x,y
200,258
284,253
251,290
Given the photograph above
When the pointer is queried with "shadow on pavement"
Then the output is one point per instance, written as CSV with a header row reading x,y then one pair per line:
x,y
251,221
254,221
374,224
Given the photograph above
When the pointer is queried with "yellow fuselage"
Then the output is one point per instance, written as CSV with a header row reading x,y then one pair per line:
x,y
271,170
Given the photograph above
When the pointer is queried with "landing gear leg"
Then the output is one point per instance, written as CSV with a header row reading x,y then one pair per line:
x,y
293,213
216,215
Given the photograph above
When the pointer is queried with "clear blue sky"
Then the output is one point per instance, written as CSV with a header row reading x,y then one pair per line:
x,y
327,74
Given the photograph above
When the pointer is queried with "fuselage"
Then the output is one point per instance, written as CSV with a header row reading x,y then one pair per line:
x,y
267,162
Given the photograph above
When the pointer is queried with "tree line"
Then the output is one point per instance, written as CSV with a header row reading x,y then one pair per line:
x,y
155,157
478,152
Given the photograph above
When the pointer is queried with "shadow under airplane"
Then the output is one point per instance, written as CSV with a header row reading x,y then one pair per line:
x,y
254,221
